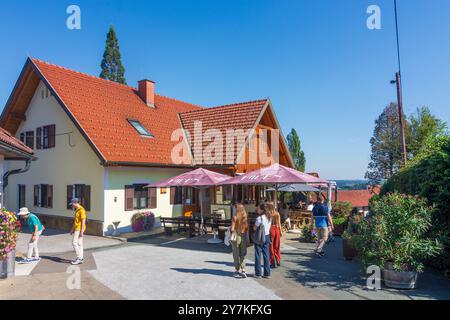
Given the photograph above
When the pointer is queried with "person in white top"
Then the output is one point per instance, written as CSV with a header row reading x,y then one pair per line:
x,y
262,249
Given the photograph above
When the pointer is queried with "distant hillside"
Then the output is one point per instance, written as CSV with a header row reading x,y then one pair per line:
x,y
352,184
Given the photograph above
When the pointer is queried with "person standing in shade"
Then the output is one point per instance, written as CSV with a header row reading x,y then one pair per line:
x,y
323,222
262,248
78,228
239,241
275,236
35,226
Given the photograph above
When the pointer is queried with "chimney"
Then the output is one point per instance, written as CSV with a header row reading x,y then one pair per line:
x,y
146,90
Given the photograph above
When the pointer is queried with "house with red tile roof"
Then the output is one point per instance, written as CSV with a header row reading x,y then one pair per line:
x,y
102,142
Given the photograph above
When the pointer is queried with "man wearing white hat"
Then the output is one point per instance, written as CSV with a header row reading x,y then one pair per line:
x,y
36,229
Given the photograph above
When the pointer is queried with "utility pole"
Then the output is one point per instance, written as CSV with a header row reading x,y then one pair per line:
x,y
398,81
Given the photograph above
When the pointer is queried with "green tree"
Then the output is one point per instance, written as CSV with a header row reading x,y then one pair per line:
x,y
424,126
386,156
112,68
296,151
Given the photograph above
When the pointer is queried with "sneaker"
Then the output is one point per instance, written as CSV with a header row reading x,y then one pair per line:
x,y
266,277
237,274
76,262
258,277
26,260
243,274
36,259
319,254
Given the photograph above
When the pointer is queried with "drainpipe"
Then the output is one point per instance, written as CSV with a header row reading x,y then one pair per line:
x,y
15,171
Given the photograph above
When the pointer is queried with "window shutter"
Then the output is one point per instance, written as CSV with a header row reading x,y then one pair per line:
x,y
129,196
43,195
38,138
22,137
87,198
172,195
51,136
49,196
69,196
36,196
153,198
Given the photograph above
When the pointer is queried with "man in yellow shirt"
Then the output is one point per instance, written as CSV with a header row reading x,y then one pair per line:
x,y
78,228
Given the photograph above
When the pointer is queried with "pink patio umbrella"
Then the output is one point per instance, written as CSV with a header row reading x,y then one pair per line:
x,y
277,175
198,178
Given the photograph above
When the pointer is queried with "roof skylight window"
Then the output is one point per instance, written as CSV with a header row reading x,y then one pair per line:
x,y
140,128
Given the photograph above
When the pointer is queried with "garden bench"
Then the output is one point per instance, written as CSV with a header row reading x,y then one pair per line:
x,y
180,224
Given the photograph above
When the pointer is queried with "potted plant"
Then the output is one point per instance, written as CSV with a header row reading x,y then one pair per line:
x,y
394,237
308,234
348,249
142,221
340,213
9,229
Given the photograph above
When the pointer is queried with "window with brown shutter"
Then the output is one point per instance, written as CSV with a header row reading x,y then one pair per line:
x,y
82,192
46,137
22,137
153,198
38,138
129,198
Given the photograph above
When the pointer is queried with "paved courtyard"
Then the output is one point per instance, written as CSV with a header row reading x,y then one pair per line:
x,y
161,267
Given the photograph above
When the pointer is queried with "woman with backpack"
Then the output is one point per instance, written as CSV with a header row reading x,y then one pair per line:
x,y
261,240
275,236
239,240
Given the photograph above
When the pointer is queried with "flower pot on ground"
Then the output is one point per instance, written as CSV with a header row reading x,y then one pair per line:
x,y
399,279
142,221
308,234
348,249
9,229
394,238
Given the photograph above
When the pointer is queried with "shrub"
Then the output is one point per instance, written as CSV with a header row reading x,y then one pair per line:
x,y
396,232
9,229
342,209
428,175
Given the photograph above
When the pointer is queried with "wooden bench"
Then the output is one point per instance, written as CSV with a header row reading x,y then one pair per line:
x,y
180,224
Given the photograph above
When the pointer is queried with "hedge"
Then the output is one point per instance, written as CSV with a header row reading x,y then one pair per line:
x,y
429,177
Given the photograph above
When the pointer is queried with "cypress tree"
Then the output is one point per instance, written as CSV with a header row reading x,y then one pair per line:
x,y
112,68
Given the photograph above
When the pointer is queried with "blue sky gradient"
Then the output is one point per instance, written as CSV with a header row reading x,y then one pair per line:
x,y
325,72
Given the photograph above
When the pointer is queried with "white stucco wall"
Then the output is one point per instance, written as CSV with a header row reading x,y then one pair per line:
x,y
66,164
116,178
2,163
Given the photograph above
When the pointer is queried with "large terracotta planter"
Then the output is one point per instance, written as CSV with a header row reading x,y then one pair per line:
x,y
399,280
348,250
7,266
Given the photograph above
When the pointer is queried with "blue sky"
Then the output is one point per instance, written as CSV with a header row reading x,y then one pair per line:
x,y
325,72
